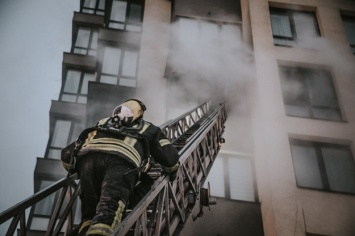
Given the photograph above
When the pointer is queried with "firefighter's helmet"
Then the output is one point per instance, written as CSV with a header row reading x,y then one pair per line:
x,y
129,111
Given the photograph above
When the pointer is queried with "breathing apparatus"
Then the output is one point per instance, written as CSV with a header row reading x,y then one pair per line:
x,y
126,113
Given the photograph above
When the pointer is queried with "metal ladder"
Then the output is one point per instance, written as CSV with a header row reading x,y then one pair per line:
x,y
195,134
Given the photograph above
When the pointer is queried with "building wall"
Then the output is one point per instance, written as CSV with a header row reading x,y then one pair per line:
x,y
153,56
287,209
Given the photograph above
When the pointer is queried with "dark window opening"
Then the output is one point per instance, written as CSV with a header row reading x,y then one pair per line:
x,y
310,93
349,25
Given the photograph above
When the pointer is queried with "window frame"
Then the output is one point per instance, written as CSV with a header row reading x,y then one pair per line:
x,y
126,21
96,10
228,188
317,146
88,50
290,14
119,76
306,80
72,135
79,93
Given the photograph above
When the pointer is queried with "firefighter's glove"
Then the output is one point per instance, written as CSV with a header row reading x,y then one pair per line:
x,y
171,171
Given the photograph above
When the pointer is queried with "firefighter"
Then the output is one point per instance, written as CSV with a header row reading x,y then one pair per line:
x,y
106,157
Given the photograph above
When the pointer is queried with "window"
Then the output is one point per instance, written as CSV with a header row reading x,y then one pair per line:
x,y
65,132
96,7
127,15
75,87
309,92
236,183
119,66
197,31
86,41
349,25
290,26
323,166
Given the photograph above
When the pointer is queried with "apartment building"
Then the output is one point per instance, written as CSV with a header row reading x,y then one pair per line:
x,y
284,68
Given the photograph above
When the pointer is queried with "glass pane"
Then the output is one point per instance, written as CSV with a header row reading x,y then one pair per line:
x,y
111,61
102,5
305,24
130,60
72,81
321,89
78,128
68,98
82,99
54,153
216,179
306,166
82,39
84,87
80,51
280,25
94,40
90,3
45,206
329,114
188,30
135,14
61,133
134,28
118,11
128,82
108,79
301,111
241,179
340,169
116,26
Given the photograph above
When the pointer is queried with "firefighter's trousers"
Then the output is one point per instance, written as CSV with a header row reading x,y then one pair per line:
x,y
105,191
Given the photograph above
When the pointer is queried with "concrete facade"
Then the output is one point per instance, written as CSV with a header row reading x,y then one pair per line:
x,y
287,209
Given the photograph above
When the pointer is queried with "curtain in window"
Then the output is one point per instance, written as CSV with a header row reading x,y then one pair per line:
x,y
281,29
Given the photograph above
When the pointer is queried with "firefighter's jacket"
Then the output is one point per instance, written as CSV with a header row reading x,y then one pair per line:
x,y
134,144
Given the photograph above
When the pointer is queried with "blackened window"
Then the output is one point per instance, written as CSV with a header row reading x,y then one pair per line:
x,y
65,132
119,66
86,41
127,15
290,26
75,86
96,7
309,92
349,24
323,166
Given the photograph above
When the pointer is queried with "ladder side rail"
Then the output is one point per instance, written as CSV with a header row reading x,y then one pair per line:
x,y
18,210
163,182
173,129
